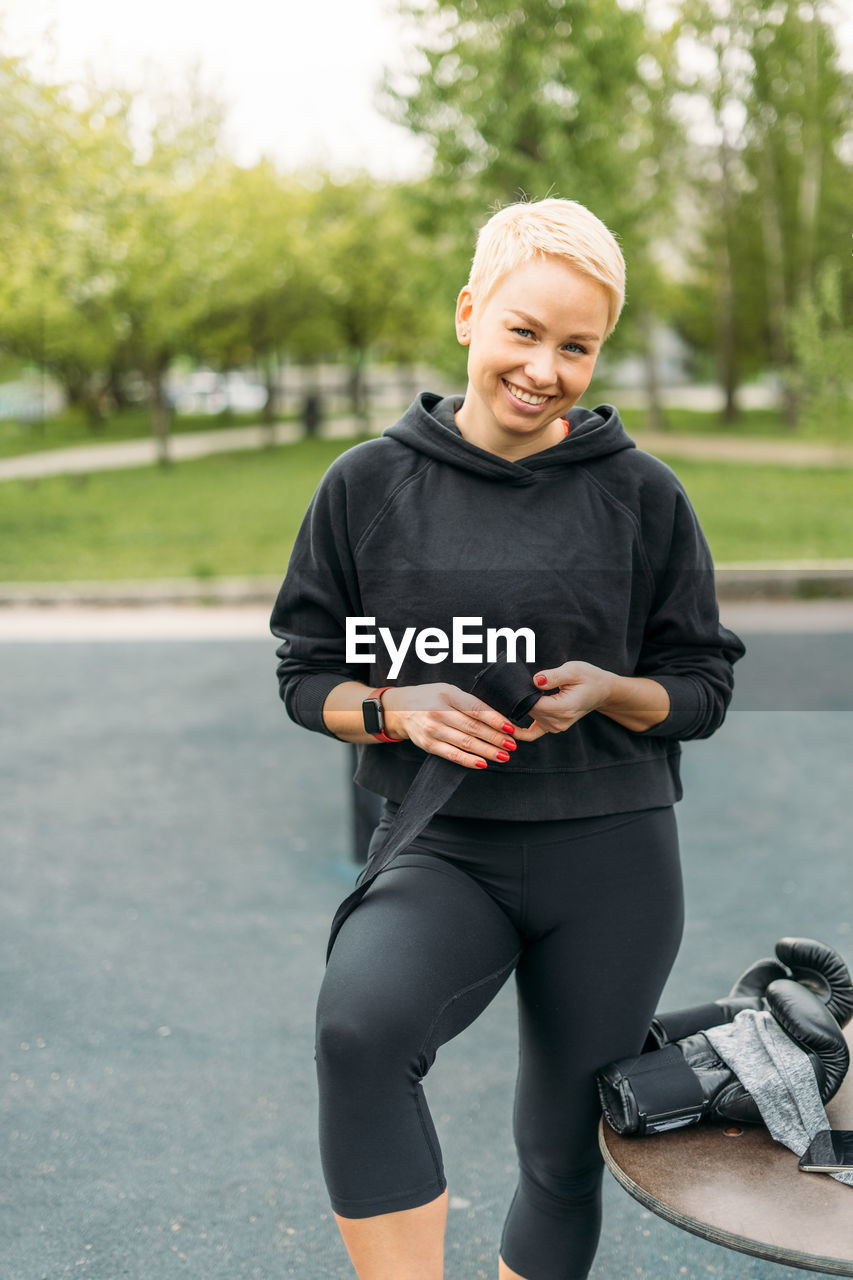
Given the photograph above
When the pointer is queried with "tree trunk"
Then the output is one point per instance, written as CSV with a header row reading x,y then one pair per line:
x,y
270,368
774,256
82,393
810,177
359,399
808,202
161,415
116,390
270,409
407,383
655,416
726,316
777,291
93,402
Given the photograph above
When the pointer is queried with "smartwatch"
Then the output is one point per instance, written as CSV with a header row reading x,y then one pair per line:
x,y
374,716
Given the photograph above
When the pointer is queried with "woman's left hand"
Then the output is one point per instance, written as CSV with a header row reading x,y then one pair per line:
x,y
581,688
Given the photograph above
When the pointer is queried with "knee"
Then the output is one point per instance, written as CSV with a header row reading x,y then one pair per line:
x,y
342,1040
358,1039
555,1187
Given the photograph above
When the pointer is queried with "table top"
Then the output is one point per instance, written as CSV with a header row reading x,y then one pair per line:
x,y
743,1191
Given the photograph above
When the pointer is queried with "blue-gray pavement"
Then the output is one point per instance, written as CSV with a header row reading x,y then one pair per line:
x,y
172,851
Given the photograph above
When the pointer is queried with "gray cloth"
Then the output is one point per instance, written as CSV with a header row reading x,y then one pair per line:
x,y
779,1076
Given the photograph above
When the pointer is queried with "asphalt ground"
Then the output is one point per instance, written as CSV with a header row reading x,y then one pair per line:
x,y
173,850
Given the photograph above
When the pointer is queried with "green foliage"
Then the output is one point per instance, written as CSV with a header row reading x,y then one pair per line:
x,y
117,256
772,177
62,183
101,269
548,98
822,345
372,267
262,295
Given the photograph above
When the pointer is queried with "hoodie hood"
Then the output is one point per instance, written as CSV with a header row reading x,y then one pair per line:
x,y
428,426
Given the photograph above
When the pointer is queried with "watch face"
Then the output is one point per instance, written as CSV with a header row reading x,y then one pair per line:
x,y
371,710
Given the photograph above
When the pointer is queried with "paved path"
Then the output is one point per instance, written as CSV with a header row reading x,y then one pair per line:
x,y
196,444
122,454
173,849
53,623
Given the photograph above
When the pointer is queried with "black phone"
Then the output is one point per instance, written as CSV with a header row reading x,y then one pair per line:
x,y
829,1151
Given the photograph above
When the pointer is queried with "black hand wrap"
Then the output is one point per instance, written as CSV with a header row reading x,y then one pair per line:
x,y
503,685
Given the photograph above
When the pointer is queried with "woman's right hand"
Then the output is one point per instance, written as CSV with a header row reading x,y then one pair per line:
x,y
445,721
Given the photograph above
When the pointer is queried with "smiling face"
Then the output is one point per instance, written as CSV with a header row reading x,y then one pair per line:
x,y
533,346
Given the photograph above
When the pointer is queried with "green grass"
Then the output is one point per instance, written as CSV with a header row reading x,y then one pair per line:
x,y
771,513
238,514
226,514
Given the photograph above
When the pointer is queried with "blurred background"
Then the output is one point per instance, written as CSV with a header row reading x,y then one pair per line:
x,y
211,222
231,239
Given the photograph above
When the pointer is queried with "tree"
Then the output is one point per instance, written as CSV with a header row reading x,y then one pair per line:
x,y
799,110
266,297
769,169
169,263
61,166
821,379
104,265
371,263
563,97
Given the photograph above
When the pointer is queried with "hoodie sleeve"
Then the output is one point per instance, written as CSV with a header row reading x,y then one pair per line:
x,y
309,616
685,648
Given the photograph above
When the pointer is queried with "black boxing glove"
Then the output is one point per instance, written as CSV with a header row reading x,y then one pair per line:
x,y
747,993
807,1021
686,1082
811,963
823,971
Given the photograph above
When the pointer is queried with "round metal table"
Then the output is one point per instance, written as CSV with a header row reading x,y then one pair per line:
x,y
743,1191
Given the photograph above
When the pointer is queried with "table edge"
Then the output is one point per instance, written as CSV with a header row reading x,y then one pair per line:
x,y
728,1239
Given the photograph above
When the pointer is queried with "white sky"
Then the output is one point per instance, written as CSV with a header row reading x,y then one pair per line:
x,y
299,76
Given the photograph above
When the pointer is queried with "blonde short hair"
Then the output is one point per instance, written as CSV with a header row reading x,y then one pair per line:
x,y
557,228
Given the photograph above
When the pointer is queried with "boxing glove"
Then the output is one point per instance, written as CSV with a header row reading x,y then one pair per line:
x,y
811,963
823,971
686,1082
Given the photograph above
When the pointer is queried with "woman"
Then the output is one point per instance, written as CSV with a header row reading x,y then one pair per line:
x,y
511,512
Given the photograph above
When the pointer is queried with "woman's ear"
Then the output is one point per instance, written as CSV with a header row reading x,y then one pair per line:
x,y
464,311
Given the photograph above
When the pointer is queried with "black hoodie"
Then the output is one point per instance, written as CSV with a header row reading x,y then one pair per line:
x,y
591,544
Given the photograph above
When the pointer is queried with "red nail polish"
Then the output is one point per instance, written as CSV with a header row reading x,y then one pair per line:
x,y
509,746
503,756
540,680
481,764
507,728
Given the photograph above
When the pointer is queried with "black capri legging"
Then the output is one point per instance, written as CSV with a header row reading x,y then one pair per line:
x,y
589,914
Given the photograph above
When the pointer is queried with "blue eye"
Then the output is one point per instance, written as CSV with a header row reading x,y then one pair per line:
x,y
577,347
